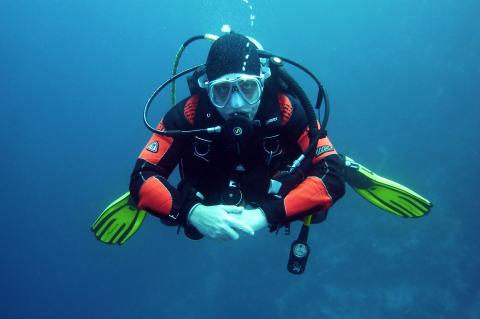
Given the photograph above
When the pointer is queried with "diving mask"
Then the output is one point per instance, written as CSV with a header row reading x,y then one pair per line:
x,y
249,87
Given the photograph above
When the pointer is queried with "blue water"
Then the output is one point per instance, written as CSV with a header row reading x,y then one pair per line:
x,y
403,81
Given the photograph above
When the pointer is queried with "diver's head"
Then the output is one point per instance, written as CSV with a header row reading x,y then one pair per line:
x,y
234,76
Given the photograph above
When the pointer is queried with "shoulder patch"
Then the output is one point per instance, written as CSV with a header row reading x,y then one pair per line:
x,y
153,147
190,108
323,149
286,108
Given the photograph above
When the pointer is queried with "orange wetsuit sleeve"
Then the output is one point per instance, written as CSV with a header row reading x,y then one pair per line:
x,y
322,184
149,185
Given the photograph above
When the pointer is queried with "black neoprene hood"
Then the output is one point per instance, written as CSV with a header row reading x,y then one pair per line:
x,y
232,53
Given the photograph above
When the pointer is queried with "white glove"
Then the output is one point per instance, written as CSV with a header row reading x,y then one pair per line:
x,y
255,218
216,222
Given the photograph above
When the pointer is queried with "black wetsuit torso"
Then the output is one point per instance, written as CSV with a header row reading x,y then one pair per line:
x,y
208,162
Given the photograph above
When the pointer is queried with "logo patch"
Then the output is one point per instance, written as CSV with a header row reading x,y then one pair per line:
x,y
238,131
153,147
323,149
269,121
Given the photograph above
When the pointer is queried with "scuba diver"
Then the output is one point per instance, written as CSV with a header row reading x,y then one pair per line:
x,y
252,155
226,184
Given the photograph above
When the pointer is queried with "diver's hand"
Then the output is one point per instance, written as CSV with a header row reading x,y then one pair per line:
x,y
255,218
217,223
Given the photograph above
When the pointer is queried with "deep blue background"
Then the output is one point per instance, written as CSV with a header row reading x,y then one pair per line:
x,y
403,80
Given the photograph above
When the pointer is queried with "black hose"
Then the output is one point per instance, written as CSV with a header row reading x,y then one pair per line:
x,y
296,89
307,105
152,97
322,94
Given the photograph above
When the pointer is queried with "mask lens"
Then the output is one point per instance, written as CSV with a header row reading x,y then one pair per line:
x,y
220,92
250,89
